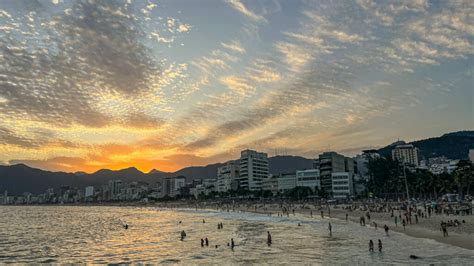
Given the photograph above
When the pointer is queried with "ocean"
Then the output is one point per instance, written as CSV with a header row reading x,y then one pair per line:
x,y
95,234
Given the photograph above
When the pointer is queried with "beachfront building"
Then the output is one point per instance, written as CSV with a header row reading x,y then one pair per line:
x,y
172,186
253,169
286,181
308,178
471,155
270,183
438,165
342,185
114,189
227,176
406,154
210,184
89,192
332,162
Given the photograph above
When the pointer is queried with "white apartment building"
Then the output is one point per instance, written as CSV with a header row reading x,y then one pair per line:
x,y
407,154
227,176
308,178
270,183
253,169
286,182
342,185
89,192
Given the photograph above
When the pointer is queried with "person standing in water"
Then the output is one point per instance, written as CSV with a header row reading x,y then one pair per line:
x,y
386,229
269,239
183,235
202,242
207,241
371,246
380,245
232,244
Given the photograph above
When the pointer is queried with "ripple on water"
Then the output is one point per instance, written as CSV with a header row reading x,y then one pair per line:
x,y
63,234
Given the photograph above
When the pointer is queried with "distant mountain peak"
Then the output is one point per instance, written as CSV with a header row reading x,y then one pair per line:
x,y
155,171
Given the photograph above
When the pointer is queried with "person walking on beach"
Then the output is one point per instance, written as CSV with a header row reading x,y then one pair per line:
x,y
322,214
330,228
202,242
269,239
396,221
207,241
183,235
232,244
403,223
371,246
380,245
311,213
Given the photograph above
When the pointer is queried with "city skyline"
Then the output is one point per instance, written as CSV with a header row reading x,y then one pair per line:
x,y
87,85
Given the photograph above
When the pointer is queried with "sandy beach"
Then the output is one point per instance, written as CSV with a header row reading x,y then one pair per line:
x,y
460,236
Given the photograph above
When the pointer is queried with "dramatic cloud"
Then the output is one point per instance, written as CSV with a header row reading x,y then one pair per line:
x,y
90,84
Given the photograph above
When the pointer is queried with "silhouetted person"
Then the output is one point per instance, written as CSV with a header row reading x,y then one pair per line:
x,y
203,221
269,239
386,229
371,246
380,245
232,244
347,215
183,235
202,242
444,229
207,242
330,228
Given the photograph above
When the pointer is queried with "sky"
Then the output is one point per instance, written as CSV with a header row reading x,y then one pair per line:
x,y
86,85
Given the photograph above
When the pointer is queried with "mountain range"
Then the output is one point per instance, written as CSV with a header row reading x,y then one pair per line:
x,y
22,178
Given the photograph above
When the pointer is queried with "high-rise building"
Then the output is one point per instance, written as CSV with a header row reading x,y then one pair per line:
x,y
89,192
253,169
227,176
114,187
407,154
332,162
172,186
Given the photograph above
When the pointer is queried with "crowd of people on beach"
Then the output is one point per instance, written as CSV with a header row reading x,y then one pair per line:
x,y
399,212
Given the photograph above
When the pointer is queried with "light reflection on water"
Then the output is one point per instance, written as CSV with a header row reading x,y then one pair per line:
x,y
65,234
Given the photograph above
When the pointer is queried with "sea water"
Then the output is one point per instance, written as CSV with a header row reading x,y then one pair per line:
x,y
95,234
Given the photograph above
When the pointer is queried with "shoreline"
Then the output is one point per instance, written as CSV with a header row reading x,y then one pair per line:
x,y
422,230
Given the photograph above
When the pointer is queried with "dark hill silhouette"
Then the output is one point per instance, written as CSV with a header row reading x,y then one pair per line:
x,y
21,178
453,145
